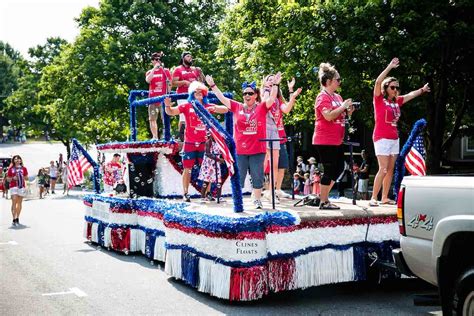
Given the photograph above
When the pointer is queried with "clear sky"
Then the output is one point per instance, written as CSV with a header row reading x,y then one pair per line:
x,y
27,23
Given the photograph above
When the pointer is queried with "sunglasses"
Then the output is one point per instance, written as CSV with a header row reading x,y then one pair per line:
x,y
156,59
249,94
338,80
394,87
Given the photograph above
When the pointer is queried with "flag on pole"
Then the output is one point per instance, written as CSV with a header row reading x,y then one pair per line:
x,y
78,163
415,159
223,148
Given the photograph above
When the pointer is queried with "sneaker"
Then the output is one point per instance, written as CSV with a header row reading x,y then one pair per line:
x,y
258,204
328,206
186,197
373,202
282,194
268,195
53,192
209,197
14,222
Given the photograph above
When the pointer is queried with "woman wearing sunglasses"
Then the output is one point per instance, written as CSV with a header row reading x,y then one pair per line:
x,y
329,128
249,128
387,103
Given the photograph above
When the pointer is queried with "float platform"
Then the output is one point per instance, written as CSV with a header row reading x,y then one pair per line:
x,y
245,256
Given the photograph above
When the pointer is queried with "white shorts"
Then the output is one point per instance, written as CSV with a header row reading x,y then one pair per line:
x,y
387,147
18,191
181,115
363,186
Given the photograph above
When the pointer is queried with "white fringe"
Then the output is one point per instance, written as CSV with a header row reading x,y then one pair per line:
x,y
214,278
95,232
107,237
173,263
324,267
141,241
160,250
134,243
85,229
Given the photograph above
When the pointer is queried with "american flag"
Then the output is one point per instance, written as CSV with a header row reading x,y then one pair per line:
x,y
78,163
222,145
415,159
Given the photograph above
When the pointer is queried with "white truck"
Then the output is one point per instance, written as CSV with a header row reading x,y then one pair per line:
x,y
436,221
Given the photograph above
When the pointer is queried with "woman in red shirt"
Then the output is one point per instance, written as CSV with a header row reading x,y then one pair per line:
x,y
17,175
249,128
329,127
387,103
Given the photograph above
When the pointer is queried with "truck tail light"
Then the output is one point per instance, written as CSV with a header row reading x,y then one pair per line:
x,y
400,210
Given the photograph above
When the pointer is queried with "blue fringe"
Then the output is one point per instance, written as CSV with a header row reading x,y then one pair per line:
x,y
190,268
400,163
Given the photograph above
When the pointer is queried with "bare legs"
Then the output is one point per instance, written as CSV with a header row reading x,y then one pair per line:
x,y
154,129
16,206
325,189
186,179
383,178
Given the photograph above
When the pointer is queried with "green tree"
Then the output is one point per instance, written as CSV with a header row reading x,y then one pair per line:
x,y
9,73
432,39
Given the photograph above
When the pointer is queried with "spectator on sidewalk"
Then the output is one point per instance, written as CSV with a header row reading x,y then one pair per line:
x,y
53,175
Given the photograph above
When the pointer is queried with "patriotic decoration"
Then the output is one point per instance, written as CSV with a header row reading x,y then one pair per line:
x,y
415,160
241,257
222,145
78,164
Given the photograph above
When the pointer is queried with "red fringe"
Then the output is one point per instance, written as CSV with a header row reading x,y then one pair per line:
x,y
281,274
333,223
225,235
248,283
120,238
89,231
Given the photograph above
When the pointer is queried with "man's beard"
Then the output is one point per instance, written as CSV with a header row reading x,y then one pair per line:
x,y
188,63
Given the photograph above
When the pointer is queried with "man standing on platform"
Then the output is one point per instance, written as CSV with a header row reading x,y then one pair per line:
x,y
159,79
183,75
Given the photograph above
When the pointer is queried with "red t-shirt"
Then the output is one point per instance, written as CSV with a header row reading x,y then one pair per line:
x,y
328,132
278,117
249,127
195,131
185,73
386,117
22,175
158,82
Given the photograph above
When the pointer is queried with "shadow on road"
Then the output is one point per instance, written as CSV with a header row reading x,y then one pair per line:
x,y
136,257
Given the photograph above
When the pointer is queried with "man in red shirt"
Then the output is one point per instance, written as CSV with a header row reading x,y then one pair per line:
x,y
183,75
159,79
195,135
112,173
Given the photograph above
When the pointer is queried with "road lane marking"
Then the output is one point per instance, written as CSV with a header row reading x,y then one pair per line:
x,y
11,242
74,290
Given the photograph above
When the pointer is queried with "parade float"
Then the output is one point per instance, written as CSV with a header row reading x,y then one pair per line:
x,y
229,249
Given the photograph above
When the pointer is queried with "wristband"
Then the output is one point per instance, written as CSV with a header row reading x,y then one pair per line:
x,y
212,86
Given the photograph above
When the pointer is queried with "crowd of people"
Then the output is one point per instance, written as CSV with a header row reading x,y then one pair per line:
x,y
260,116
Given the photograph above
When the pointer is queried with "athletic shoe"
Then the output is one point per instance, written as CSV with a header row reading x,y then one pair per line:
x,y
373,202
268,195
210,198
282,194
258,204
186,198
328,206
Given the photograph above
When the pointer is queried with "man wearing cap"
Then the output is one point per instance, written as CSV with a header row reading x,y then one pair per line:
x,y
195,134
183,75
159,80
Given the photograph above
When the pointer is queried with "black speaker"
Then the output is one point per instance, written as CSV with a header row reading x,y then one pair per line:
x,y
141,174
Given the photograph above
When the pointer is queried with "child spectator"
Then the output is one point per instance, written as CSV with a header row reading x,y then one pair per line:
x,y
296,183
301,168
307,184
210,170
316,182
41,180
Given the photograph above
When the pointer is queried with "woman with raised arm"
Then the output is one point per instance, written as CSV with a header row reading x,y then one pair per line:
x,y
276,129
249,128
387,103
329,127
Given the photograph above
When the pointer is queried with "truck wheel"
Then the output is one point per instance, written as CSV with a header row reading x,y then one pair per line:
x,y
464,296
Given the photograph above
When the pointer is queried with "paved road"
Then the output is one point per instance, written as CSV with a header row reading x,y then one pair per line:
x,y
47,267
